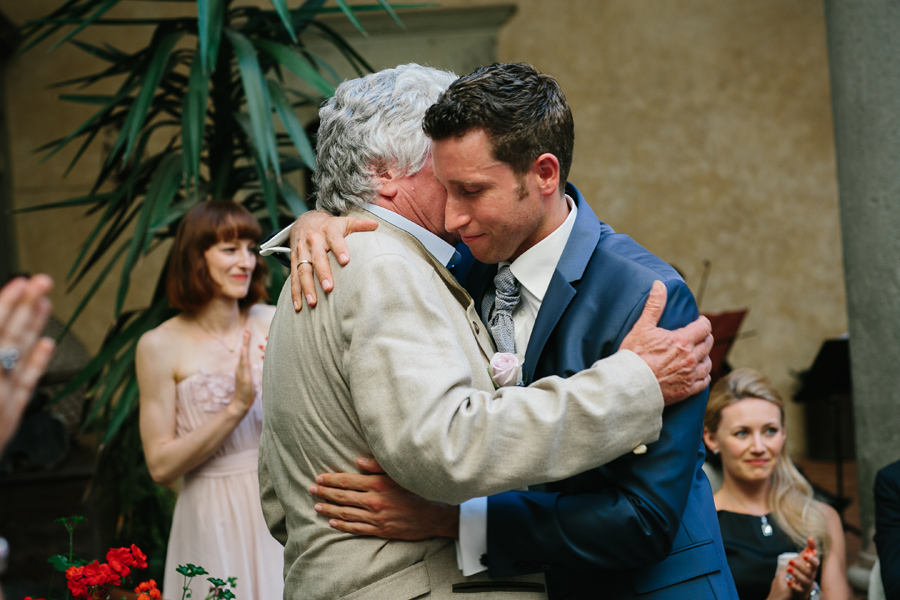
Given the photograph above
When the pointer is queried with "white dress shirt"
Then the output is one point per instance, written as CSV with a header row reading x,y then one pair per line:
x,y
438,248
533,270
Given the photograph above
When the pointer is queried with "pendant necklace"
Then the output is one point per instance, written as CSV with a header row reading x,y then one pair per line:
x,y
231,348
766,528
764,525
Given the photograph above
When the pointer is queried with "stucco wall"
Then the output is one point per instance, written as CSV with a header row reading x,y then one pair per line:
x,y
703,129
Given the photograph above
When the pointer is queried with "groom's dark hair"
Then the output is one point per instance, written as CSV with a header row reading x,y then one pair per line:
x,y
524,112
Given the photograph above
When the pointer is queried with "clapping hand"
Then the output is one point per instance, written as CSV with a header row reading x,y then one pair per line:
x,y
24,355
244,393
796,580
801,571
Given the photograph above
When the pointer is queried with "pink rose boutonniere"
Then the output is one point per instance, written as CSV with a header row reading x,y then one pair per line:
x,y
506,369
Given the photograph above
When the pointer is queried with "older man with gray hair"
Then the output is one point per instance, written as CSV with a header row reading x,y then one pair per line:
x,y
393,365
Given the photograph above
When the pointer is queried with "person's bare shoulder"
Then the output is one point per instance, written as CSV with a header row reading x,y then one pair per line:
x,y
260,315
832,518
162,342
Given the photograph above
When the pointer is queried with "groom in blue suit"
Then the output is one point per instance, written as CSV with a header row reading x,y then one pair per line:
x,y
642,526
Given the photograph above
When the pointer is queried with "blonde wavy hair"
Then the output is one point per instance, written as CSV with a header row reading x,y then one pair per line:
x,y
790,495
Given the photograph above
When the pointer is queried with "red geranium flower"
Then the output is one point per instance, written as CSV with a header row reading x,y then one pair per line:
x,y
78,588
97,574
74,573
140,559
120,559
147,591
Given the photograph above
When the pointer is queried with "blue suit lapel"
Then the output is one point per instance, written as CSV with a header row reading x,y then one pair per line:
x,y
574,260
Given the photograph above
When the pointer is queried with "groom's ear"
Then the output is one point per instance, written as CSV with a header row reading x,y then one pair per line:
x,y
546,168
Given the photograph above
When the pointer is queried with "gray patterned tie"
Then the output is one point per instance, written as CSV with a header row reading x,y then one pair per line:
x,y
503,300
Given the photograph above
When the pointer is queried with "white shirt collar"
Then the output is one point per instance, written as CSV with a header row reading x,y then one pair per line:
x,y
534,268
438,248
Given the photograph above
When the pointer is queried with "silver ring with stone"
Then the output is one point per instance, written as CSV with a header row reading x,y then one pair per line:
x,y
8,358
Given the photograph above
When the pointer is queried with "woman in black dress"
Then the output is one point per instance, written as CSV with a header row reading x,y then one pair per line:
x,y
765,506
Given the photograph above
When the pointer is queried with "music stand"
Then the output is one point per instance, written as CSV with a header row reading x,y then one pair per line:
x,y
828,380
725,327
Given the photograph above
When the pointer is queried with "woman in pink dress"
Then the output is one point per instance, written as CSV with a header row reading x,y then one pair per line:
x,y
201,413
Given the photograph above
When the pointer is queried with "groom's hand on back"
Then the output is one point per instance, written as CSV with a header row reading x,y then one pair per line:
x,y
373,504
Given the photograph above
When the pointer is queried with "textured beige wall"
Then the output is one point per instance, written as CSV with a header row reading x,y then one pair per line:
x,y
703,129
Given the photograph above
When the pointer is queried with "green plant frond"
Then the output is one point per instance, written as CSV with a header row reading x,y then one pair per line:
x,y
93,99
258,102
113,344
98,120
102,7
86,298
300,99
323,65
163,187
107,53
387,7
81,149
137,165
122,204
359,64
137,114
123,408
210,18
86,81
193,120
292,124
33,26
294,201
345,8
109,383
121,215
79,201
264,179
281,8
102,222
174,213
296,64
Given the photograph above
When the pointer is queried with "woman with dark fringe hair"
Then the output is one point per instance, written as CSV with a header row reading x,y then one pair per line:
x,y
765,506
199,377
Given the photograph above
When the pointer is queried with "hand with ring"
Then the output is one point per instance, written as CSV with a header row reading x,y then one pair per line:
x,y
796,579
313,236
24,355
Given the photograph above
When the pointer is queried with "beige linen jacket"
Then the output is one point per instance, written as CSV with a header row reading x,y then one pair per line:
x,y
392,364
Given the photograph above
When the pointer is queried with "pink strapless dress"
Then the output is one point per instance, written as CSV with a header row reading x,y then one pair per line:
x,y
218,522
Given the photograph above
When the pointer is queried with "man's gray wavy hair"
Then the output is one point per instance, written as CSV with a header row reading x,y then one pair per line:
x,y
371,124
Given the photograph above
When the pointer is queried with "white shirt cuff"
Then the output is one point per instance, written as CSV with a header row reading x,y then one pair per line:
x,y
472,542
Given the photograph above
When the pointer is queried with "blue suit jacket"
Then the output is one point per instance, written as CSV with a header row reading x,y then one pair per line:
x,y
643,525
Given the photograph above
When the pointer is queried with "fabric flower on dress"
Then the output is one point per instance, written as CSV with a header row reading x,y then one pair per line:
x,y
214,390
